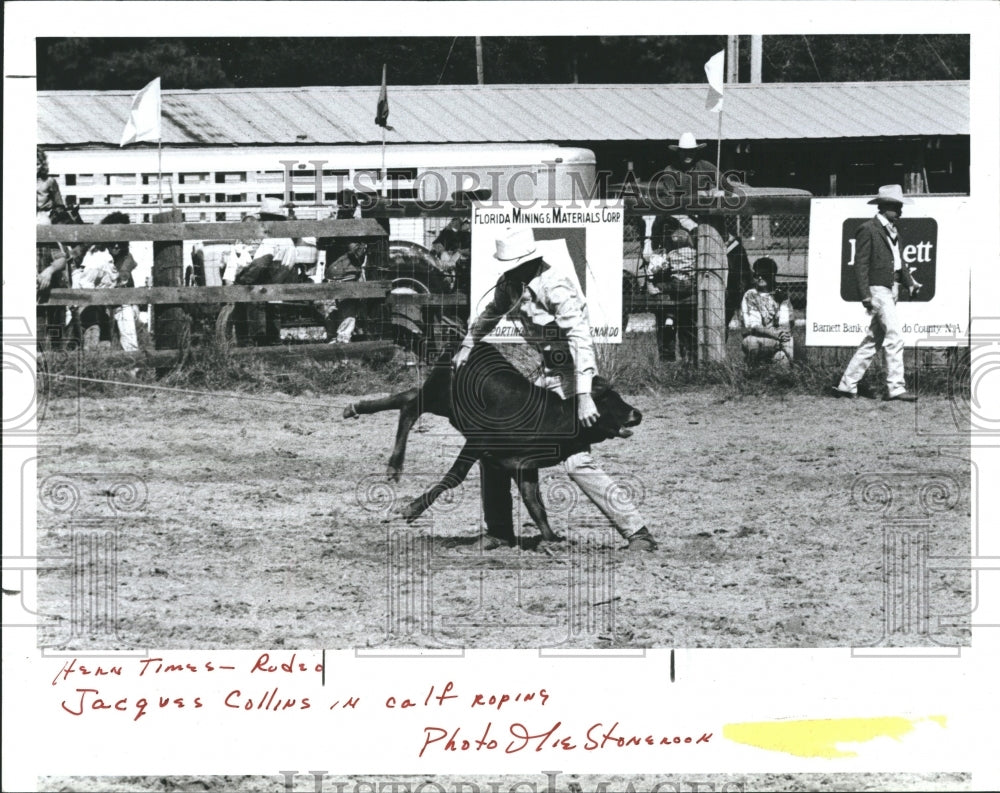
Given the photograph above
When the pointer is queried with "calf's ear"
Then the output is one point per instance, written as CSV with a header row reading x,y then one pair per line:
x,y
599,386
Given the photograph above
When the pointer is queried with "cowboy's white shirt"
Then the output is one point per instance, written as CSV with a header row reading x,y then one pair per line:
x,y
550,297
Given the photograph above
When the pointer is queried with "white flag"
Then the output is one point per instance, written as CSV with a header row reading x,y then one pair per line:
x,y
144,117
715,72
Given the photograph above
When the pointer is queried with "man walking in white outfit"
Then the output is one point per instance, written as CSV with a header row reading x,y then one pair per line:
x,y
879,269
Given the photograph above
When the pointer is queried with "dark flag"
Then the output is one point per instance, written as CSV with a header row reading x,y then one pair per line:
x,y
382,112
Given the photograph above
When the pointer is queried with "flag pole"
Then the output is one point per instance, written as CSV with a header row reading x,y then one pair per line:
x,y
718,156
159,170
382,119
714,71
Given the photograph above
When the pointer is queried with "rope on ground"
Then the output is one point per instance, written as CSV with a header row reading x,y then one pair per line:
x,y
189,391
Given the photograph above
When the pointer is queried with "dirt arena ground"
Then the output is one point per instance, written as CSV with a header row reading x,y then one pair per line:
x,y
248,523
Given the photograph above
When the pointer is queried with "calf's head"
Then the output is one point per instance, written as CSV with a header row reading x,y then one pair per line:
x,y
616,415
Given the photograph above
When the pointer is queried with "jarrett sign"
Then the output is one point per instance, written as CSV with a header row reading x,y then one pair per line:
x,y
918,251
935,247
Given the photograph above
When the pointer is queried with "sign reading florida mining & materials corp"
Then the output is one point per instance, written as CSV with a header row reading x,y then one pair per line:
x,y
585,240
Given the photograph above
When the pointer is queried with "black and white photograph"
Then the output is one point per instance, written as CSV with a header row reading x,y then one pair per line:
x,y
369,334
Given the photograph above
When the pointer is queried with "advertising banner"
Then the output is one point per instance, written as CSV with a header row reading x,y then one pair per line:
x,y
934,244
585,241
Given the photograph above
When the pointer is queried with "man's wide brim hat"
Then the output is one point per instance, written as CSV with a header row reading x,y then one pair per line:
x,y
272,207
890,194
688,142
515,246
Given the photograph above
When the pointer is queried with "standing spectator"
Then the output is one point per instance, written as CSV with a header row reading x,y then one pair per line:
x,y
48,198
51,261
347,209
273,263
126,316
766,318
554,318
680,261
673,272
123,261
453,247
664,227
50,267
55,265
281,267
454,241
273,260
344,312
687,179
96,271
347,204
636,245
879,269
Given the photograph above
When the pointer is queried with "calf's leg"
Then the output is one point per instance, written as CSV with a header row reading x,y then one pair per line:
x,y
432,397
455,476
498,506
527,484
408,403
408,416
394,402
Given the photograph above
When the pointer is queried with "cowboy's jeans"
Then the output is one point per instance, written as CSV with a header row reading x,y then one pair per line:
x,y
601,490
883,332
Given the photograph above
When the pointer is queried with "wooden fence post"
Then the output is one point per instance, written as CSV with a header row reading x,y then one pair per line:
x,y
712,273
169,322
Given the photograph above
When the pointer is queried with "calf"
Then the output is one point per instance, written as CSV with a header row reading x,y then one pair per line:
x,y
507,422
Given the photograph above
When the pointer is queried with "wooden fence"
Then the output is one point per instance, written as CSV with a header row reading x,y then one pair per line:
x,y
170,300
168,296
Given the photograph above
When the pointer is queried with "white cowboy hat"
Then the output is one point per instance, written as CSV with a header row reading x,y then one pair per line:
x,y
890,194
516,246
273,208
688,142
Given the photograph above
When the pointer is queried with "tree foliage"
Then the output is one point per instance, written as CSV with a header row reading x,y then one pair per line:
x,y
102,64
129,63
849,58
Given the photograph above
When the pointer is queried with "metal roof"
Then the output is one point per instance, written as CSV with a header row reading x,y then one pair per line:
x,y
509,113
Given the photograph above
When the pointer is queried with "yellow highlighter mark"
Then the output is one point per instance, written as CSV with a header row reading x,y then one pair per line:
x,y
819,737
